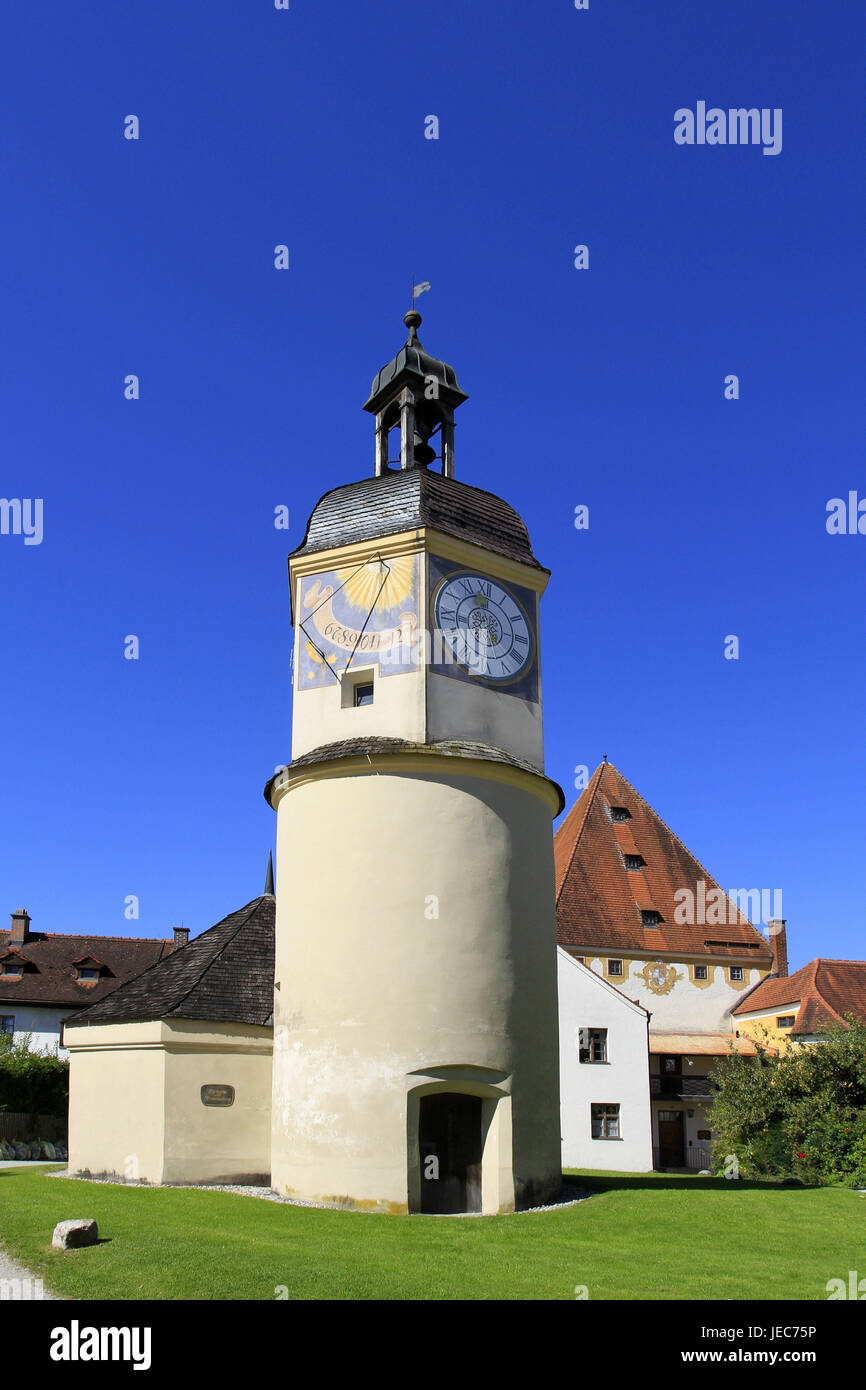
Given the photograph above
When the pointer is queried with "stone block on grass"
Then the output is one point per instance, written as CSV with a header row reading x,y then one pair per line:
x,y
72,1235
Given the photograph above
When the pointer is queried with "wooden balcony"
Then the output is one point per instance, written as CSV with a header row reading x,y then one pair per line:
x,y
670,1087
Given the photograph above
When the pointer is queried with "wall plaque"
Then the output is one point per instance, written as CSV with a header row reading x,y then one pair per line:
x,y
217,1095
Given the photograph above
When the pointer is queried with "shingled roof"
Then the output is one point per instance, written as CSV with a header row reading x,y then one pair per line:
x,y
599,902
225,975
407,499
48,959
825,990
372,745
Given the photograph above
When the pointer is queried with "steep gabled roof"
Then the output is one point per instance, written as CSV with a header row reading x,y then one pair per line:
x,y
826,990
226,975
599,901
49,976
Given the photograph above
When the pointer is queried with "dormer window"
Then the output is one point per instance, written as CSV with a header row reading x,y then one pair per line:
x,y
620,813
12,965
87,970
649,917
634,862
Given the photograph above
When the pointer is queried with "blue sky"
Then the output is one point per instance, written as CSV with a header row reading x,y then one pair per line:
x,y
603,387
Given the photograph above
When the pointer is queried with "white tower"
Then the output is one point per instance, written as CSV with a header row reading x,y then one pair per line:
x,y
415,1013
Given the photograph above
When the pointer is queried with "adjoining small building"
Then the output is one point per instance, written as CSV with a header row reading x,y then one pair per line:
x,y
801,1007
170,1075
46,976
604,1073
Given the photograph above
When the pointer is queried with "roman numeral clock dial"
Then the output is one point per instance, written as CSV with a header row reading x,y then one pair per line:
x,y
484,627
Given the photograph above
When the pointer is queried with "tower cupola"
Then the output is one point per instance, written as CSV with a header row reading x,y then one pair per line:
x,y
417,394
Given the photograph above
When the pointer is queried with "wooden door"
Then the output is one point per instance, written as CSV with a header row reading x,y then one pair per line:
x,y
671,1139
449,1139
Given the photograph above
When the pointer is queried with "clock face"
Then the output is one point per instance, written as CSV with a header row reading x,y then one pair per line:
x,y
484,626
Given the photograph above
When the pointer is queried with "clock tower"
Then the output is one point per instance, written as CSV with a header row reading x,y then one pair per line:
x,y
415,1012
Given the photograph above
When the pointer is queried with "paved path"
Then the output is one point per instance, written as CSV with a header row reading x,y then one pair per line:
x,y
18,1285
16,1282
28,1162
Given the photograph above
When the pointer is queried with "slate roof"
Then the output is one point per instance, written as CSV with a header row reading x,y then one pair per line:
x,y
225,975
450,748
407,499
599,901
48,958
826,990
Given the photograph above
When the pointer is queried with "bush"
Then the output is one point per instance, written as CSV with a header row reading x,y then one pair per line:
x,y
32,1083
801,1113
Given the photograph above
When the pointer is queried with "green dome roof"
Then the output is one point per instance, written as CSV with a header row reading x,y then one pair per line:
x,y
412,363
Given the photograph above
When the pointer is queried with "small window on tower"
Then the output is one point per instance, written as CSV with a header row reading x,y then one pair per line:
x,y
700,972
614,967
363,695
736,972
634,862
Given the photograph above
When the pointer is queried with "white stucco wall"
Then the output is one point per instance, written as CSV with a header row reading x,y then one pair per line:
x,y
43,1025
587,1001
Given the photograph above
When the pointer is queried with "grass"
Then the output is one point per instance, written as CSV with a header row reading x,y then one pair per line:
x,y
647,1237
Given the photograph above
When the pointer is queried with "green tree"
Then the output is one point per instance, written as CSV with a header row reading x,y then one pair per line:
x,y
801,1112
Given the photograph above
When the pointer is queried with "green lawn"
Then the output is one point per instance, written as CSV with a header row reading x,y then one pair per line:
x,y
653,1236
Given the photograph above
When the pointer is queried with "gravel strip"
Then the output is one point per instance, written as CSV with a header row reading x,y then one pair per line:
x,y
570,1196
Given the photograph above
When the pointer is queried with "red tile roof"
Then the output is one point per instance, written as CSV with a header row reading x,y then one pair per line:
x,y
49,978
826,990
599,901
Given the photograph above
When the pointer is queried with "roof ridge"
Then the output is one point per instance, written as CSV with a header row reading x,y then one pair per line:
x,y
837,960
252,905
94,936
820,993
685,847
596,777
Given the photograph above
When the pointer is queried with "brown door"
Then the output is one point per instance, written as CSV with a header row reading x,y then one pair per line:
x,y
449,1138
671,1147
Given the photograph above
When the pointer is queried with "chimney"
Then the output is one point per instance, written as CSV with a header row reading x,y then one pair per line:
x,y
779,942
20,924
181,937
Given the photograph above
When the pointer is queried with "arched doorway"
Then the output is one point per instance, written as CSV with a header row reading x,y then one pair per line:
x,y
450,1145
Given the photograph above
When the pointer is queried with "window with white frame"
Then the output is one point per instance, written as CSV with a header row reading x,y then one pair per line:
x,y
736,972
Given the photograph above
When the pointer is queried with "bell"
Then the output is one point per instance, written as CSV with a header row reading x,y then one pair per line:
x,y
424,455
